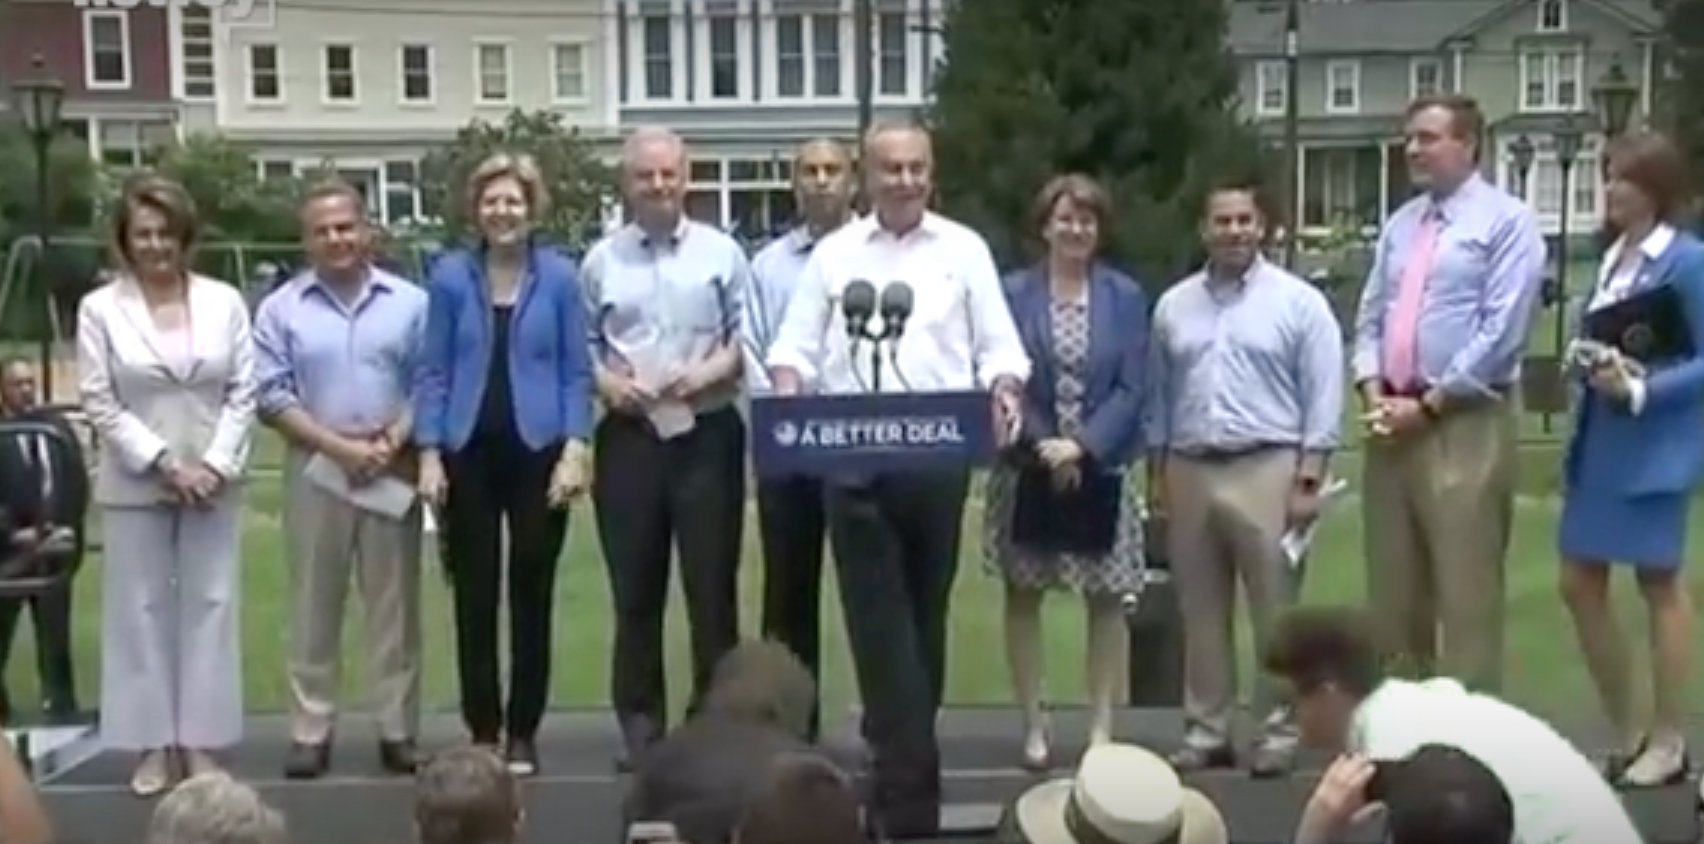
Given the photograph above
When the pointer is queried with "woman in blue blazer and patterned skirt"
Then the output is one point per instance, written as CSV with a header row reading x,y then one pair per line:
x,y
1637,453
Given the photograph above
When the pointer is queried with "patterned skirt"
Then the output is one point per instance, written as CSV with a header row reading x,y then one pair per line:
x,y
1116,573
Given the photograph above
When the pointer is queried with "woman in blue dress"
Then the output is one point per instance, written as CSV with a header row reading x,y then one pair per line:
x,y
1636,457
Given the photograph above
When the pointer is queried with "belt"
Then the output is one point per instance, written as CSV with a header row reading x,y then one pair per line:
x,y
1225,454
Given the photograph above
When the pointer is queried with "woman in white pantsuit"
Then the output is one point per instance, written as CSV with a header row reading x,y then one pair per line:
x,y
166,373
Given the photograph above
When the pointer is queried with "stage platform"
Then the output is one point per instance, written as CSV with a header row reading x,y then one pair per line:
x,y
575,799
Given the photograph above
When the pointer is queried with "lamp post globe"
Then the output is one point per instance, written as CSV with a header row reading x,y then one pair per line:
x,y
1614,97
40,102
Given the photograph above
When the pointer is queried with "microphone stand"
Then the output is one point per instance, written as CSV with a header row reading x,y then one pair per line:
x,y
876,342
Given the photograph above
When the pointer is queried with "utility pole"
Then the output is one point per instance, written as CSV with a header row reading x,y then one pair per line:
x,y
864,47
1292,129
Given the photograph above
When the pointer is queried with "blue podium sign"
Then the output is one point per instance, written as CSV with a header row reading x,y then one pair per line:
x,y
867,434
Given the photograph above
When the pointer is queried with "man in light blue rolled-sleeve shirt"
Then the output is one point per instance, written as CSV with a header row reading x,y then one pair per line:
x,y
1443,324
790,514
335,354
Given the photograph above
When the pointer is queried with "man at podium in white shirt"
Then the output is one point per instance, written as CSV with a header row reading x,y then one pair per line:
x,y
895,535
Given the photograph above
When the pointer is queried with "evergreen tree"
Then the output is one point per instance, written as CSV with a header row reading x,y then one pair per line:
x,y
1140,95
1682,107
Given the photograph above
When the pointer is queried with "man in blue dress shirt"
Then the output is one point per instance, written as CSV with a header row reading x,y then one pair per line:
x,y
1437,352
790,510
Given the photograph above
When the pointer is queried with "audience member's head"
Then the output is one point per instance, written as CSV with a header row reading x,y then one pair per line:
x,y
215,809
466,796
1442,795
805,800
763,682
1122,794
1331,660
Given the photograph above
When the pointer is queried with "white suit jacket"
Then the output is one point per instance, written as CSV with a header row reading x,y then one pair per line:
x,y
146,400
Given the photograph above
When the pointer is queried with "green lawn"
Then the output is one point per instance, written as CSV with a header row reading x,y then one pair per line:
x,y
1544,670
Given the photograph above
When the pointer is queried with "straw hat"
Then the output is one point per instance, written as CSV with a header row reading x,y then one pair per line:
x,y
1122,794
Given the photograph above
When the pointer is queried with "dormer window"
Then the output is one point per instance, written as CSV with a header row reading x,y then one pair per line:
x,y
1552,15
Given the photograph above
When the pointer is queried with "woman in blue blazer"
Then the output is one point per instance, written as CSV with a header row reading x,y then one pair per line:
x,y
1637,457
503,413
1059,516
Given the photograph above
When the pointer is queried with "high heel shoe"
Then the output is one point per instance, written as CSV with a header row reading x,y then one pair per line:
x,y
1615,765
1658,764
1038,757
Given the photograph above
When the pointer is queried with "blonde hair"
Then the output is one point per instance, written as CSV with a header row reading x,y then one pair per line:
x,y
520,167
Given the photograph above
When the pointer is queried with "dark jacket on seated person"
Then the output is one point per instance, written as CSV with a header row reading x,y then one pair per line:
x,y
700,776
20,477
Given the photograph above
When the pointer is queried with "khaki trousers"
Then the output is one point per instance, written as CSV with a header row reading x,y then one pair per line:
x,y
1224,519
330,541
1438,506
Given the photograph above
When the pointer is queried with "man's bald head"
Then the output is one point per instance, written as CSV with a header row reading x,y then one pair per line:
x,y
653,176
899,169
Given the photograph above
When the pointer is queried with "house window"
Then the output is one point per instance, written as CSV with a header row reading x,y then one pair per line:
x,y
339,72
807,56
401,191
724,39
1343,87
893,53
791,56
492,69
1425,78
199,71
1552,15
266,82
568,72
272,169
1271,85
827,62
1550,80
130,144
415,65
106,49
659,57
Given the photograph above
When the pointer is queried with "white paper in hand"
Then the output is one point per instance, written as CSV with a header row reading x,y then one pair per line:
x,y
1296,541
386,496
672,419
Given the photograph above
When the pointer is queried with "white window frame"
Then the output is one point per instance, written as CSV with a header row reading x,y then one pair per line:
x,y
325,76
249,70
1424,63
675,19
1543,7
1552,60
745,53
913,50
206,67
480,45
807,17
583,50
261,165
402,50
1264,74
1353,68
127,61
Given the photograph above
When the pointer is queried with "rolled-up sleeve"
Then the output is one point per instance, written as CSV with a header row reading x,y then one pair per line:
x,y
799,341
999,350
274,371
1321,375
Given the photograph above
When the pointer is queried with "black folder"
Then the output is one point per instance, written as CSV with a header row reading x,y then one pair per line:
x,y
1079,520
1648,326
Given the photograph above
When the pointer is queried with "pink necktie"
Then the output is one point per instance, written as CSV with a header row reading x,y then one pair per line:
x,y
1402,331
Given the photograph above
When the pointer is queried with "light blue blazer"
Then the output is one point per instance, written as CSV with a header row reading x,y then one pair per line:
x,y
1118,344
1661,447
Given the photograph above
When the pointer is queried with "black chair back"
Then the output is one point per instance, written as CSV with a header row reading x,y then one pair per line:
x,y
44,500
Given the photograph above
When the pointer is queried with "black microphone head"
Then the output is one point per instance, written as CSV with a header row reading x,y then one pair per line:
x,y
897,300
858,304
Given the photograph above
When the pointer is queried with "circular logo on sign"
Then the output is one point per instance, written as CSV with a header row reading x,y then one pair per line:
x,y
786,434
1637,340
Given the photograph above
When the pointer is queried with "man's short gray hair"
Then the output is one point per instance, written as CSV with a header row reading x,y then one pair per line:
x,y
215,809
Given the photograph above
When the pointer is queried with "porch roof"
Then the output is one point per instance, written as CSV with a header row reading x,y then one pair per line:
x,y
1369,128
1515,124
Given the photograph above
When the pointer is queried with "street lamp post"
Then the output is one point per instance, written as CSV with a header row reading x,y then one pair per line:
x,y
1614,97
39,101
1521,154
1567,139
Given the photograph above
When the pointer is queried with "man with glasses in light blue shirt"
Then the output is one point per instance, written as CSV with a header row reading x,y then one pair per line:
x,y
791,522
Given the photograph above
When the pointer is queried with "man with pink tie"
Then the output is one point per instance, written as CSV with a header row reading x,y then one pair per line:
x,y
1438,343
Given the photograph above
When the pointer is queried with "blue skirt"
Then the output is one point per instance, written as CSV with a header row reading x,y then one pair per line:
x,y
1602,525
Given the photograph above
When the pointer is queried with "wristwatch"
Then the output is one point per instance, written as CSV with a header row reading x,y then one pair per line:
x,y
1308,484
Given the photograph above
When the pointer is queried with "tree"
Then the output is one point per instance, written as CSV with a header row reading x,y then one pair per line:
x,y
1684,25
72,185
579,182
1140,95
234,202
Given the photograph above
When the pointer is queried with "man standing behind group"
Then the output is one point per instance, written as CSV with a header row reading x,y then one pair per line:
x,y
1247,383
665,299
896,536
1438,343
335,354
790,509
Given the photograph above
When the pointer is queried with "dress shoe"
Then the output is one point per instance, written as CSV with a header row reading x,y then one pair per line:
x,y
307,761
399,756
637,735
1270,761
1192,758
522,756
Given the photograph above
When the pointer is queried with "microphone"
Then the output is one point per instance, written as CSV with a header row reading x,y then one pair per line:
x,y
896,303
858,304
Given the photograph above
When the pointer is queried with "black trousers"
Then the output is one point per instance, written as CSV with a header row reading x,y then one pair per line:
x,y
50,613
492,481
649,493
896,542
791,522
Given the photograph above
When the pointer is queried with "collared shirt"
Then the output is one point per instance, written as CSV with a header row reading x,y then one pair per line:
x,y
662,306
1481,294
1616,281
1559,796
1242,363
960,335
775,275
348,365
